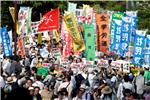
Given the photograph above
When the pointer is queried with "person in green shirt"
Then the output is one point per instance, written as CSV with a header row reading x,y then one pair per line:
x,y
43,71
146,74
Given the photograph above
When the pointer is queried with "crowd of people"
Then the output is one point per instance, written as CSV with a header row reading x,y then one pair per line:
x,y
26,79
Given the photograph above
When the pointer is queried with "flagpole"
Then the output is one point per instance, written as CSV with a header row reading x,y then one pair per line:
x,y
15,36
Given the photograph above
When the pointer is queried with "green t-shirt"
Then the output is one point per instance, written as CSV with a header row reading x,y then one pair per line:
x,y
43,71
147,75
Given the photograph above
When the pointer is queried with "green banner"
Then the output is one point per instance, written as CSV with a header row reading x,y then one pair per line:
x,y
115,16
89,34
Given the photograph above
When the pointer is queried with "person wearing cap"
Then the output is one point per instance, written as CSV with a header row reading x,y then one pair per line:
x,y
86,93
31,90
106,93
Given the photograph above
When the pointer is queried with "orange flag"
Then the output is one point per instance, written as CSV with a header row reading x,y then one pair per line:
x,y
102,20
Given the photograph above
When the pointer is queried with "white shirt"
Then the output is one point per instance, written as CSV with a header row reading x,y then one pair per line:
x,y
38,84
69,87
127,85
90,79
2,82
114,79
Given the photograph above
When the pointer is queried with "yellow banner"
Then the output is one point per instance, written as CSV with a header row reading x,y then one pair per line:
x,y
39,38
12,12
17,28
56,35
71,23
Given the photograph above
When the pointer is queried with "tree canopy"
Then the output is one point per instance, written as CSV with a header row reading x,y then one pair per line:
x,y
42,7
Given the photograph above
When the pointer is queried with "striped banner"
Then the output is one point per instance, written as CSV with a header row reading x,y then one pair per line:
x,y
71,23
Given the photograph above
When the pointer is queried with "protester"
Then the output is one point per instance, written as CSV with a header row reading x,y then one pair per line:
x,y
126,85
139,82
68,79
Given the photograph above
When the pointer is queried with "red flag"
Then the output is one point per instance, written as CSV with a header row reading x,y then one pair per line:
x,y
50,21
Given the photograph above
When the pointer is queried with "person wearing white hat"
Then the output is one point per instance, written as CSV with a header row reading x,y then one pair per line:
x,y
106,93
86,94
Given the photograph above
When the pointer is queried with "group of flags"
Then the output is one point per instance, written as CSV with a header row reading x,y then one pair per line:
x,y
88,31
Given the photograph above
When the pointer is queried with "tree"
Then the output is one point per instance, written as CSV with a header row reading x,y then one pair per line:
x,y
42,7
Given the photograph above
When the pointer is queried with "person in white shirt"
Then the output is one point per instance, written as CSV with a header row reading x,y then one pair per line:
x,y
124,85
38,83
139,82
66,84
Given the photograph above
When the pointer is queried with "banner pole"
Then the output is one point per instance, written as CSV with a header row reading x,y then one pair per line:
x,y
15,36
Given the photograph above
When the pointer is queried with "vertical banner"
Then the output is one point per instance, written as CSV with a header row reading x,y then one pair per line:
x,y
115,17
63,30
46,35
133,16
56,35
72,7
125,35
34,27
39,38
10,36
21,47
68,44
67,39
22,19
12,12
71,23
117,36
29,20
103,35
79,15
147,51
89,35
138,52
7,49
88,15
